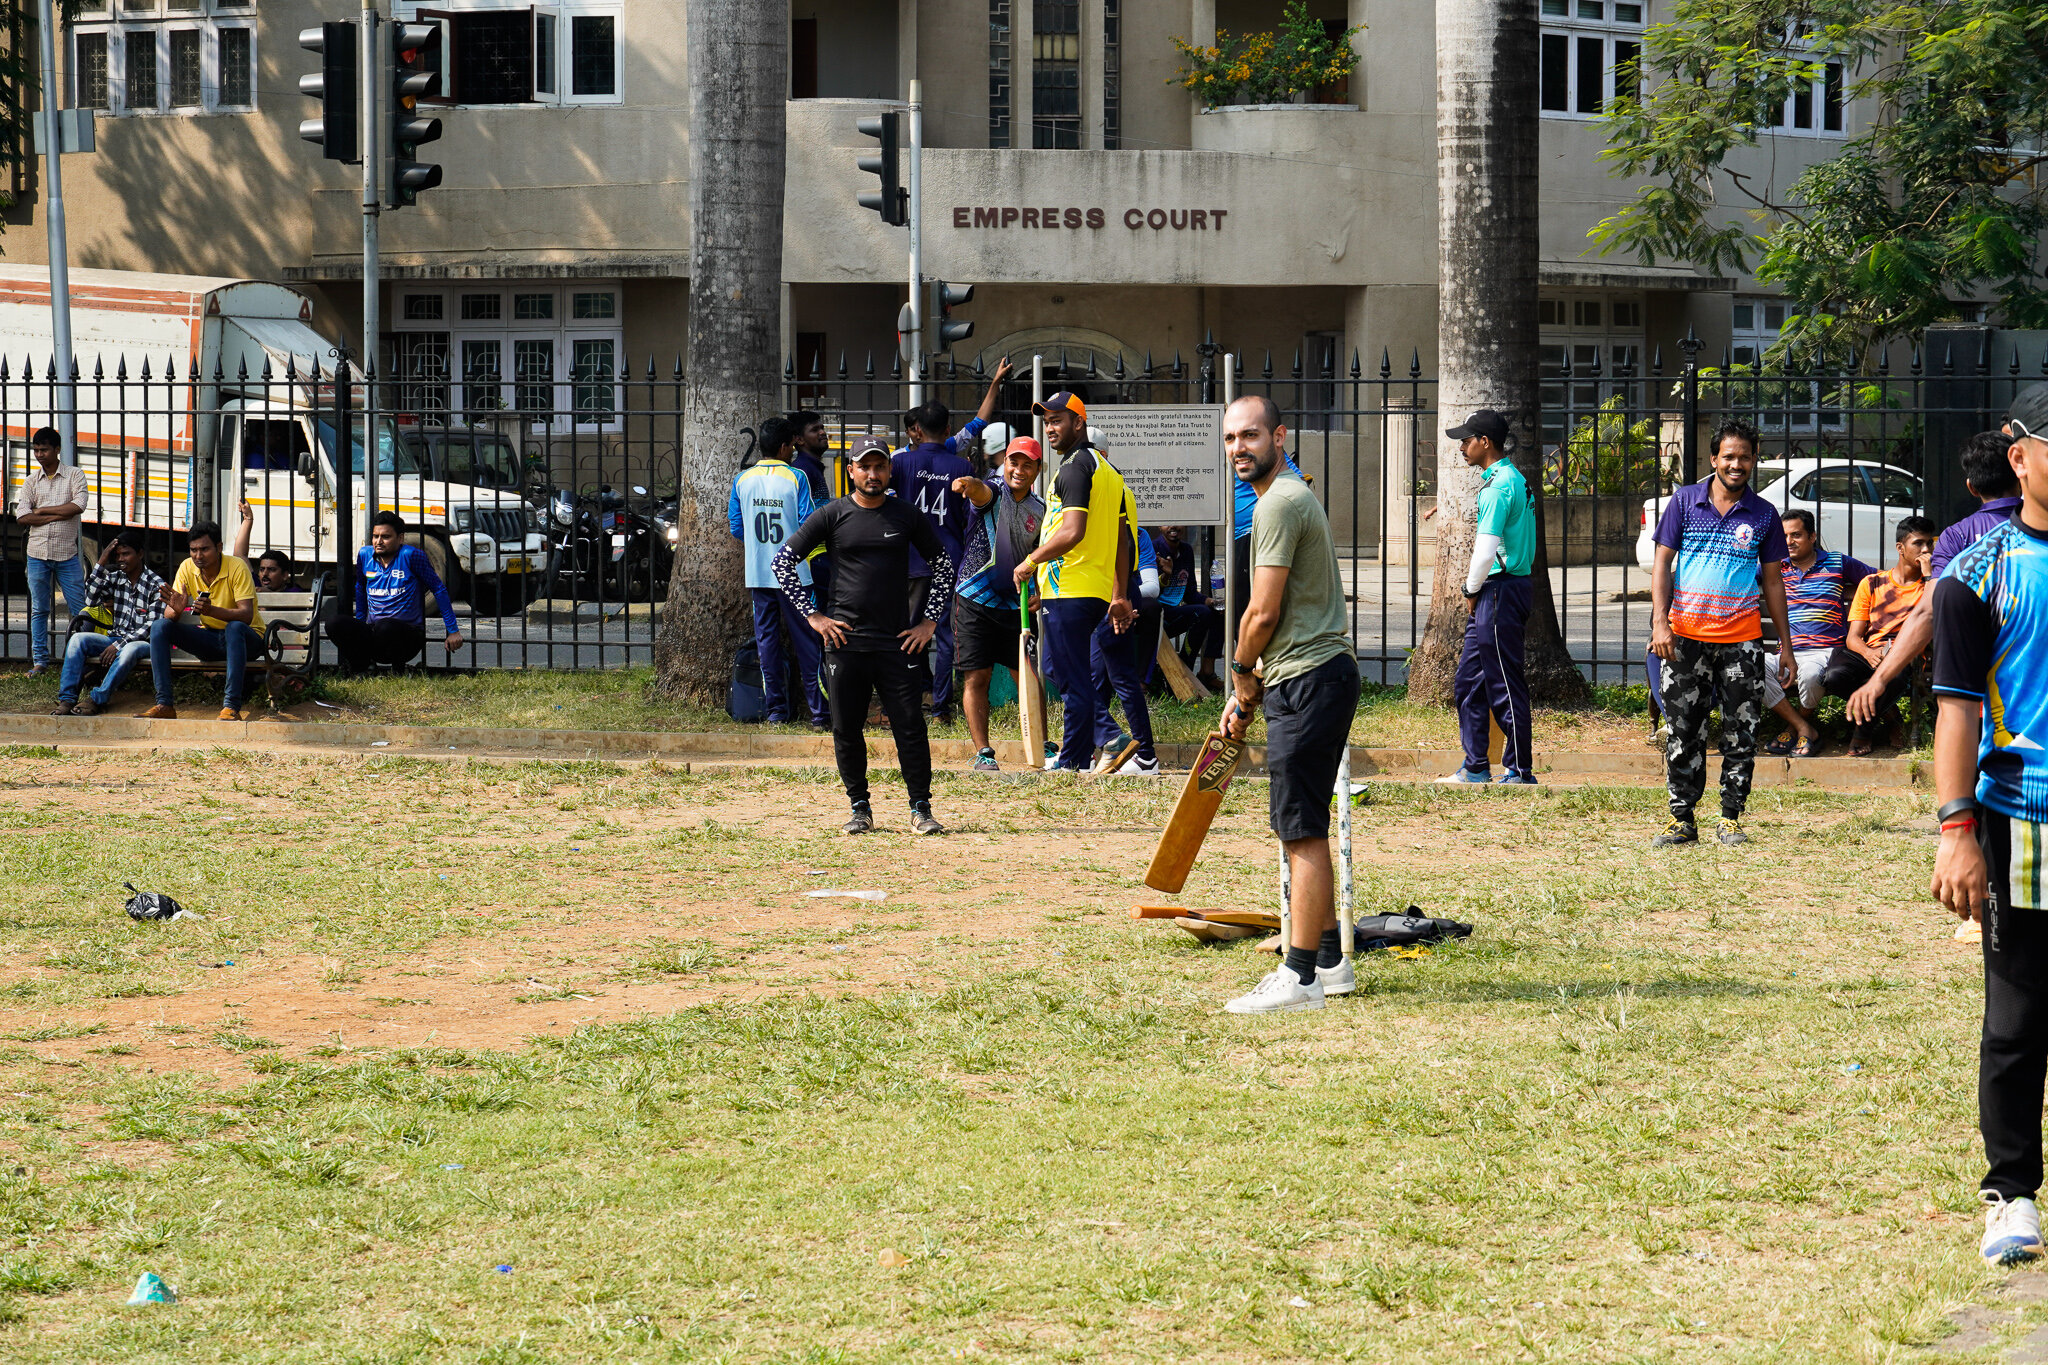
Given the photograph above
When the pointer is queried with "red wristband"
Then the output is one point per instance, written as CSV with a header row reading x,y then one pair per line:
x,y
1966,822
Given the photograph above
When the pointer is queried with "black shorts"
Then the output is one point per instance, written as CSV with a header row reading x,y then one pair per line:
x,y
983,636
1308,723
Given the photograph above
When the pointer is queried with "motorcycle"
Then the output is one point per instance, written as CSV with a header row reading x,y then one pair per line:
x,y
606,551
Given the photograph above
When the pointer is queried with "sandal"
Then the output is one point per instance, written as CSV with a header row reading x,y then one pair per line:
x,y
1807,747
1781,746
1860,745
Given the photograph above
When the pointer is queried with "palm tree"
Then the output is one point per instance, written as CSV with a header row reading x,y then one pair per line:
x,y
738,62
1486,159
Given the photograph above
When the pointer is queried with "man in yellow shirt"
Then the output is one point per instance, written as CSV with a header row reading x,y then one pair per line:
x,y
1083,567
210,613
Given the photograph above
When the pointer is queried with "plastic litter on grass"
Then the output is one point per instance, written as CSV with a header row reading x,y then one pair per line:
x,y
151,1289
823,892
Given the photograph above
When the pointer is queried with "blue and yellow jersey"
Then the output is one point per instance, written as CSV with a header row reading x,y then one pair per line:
x,y
1991,644
769,501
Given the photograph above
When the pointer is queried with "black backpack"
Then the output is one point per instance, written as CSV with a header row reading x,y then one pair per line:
x,y
747,700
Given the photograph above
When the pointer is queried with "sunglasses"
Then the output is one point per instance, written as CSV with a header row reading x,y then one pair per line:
x,y
2019,429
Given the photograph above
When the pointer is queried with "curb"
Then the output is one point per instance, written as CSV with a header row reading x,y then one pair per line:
x,y
1411,765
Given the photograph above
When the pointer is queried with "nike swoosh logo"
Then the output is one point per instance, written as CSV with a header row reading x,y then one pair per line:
x,y
889,535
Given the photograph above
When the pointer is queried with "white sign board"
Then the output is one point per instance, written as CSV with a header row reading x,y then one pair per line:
x,y
1172,457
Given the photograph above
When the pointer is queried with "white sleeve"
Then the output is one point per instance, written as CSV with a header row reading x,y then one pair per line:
x,y
1484,548
1148,582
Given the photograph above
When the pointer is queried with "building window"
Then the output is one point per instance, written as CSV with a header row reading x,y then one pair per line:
x,y
1591,51
1778,405
491,54
545,352
91,71
1600,334
163,57
1112,75
1814,108
1056,73
999,73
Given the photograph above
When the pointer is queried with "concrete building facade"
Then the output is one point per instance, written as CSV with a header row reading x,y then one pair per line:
x,y
1095,204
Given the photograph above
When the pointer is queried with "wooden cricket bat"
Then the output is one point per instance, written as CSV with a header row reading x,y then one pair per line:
x,y
1182,838
1250,919
1030,696
1186,686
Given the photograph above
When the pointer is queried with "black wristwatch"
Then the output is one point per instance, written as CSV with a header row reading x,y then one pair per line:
x,y
1236,667
1962,805
1469,594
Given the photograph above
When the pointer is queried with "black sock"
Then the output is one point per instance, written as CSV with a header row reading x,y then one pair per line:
x,y
1302,962
862,808
1330,951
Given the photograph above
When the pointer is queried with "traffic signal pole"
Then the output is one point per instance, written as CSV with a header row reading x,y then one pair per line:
x,y
373,140
66,394
916,331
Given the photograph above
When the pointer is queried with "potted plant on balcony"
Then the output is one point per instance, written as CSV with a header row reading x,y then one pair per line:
x,y
1299,60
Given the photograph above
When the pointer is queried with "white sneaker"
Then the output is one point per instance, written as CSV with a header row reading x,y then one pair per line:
x,y
1337,980
1114,756
2012,1229
1280,991
1139,767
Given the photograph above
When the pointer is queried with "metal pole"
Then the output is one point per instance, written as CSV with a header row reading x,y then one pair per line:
x,y
1045,470
1346,893
1231,606
66,395
917,347
372,146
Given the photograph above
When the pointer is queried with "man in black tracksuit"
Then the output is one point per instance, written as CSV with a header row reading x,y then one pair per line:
x,y
871,645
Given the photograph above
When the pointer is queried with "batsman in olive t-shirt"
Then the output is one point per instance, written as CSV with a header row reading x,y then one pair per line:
x,y
1289,531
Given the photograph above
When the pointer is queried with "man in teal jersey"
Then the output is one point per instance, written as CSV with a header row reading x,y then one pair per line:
x,y
1490,681
770,499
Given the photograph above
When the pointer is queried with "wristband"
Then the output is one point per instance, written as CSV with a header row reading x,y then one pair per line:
x,y
1238,668
1961,822
1960,806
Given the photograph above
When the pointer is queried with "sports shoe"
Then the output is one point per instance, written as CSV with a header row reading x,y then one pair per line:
x,y
860,822
1516,777
1476,777
231,713
922,821
1115,754
1677,832
1279,992
2012,1230
161,712
985,762
1730,832
1052,753
1140,767
1338,980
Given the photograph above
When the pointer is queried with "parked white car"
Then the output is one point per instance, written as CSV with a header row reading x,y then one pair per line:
x,y
1857,504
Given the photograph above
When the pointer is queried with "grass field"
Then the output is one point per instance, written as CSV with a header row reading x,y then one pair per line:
x,y
622,699
582,1021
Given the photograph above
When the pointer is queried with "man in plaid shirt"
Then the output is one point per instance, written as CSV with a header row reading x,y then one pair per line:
x,y
127,588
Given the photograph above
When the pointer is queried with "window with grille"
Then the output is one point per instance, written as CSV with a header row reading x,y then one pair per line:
x,y
1591,51
535,352
999,48
163,56
1814,108
1112,75
1056,73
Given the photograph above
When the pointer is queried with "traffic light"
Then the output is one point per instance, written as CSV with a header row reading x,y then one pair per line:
x,y
892,201
412,75
946,297
334,85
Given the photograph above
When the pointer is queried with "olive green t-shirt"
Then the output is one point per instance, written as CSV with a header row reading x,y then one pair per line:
x,y
1289,531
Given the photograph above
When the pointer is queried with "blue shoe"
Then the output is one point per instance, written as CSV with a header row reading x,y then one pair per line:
x,y
1517,777
1475,777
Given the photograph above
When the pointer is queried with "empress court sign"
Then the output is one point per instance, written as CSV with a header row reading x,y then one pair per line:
x,y
1072,218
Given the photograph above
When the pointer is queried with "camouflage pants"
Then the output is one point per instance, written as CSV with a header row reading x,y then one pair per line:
x,y
1696,675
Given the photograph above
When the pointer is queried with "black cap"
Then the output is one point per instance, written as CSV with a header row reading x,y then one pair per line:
x,y
2028,415
1485,422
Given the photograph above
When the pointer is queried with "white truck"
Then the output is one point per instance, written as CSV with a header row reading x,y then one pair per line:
x,y
184,446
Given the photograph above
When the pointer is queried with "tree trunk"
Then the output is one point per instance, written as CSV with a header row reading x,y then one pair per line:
x,y
1486,140
738,57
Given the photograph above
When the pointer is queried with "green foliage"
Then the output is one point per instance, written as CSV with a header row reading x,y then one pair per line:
x,y
1606,453
1267,68
1939,199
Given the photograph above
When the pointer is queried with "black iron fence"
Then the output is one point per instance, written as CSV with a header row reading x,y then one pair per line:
x,y
548,508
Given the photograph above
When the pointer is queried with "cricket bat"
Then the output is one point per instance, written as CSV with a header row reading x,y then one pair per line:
x,y
1182,838
1030,693
1250,919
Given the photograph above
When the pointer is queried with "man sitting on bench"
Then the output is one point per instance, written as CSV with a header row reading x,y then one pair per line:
x,y
210,613
390,622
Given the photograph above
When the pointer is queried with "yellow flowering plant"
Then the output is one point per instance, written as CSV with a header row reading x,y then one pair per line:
x,y
1267,68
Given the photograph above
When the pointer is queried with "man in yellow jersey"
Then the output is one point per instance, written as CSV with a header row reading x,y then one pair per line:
x,y
1083,566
